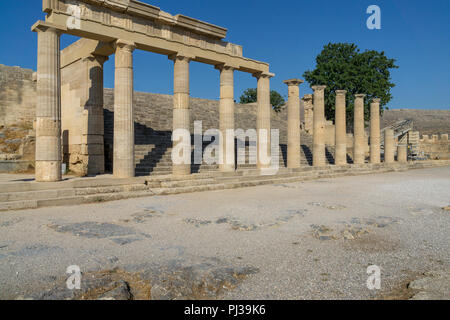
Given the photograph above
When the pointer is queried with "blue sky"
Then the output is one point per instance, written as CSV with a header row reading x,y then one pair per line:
x,y
288,34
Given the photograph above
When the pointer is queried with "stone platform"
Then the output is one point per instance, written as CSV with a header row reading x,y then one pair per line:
x,y
22,192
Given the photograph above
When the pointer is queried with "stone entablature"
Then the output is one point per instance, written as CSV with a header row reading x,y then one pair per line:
x,y
144,19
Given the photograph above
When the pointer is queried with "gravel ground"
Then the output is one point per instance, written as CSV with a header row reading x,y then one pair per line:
x,y
306,240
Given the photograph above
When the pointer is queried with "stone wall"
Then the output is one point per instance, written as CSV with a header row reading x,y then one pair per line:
x,y
153,118
17,113
17,96
435,147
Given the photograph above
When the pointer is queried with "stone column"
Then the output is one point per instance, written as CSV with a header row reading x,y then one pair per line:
x,y
48,107
181,117
358,130
375,131
263,120
389,146
402,153
340,157
319,126
226,114
123,163
293,150
308,108
93,122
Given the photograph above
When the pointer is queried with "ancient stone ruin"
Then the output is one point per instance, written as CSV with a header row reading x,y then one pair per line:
x,y
62,115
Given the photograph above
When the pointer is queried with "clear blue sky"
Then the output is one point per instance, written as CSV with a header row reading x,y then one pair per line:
x,y
288,34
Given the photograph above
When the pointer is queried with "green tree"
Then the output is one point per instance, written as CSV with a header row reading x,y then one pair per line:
x,y
276,100
341,66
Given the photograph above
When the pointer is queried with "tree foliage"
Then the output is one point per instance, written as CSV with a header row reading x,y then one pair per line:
x,y
341,66
276,100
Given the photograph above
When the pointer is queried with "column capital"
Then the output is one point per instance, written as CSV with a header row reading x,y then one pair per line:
x,y
318,88
360,95
341,92
261,74
124,44
376,100
180,56
226,66
43,26
95,57
293,82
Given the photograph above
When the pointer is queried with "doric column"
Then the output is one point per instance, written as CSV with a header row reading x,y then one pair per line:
x,y
263,120
340,157
319,126
375,131
48,108
226,114
123,163
402,153
93,130
181,117
293,151
308,108
389,146
358,130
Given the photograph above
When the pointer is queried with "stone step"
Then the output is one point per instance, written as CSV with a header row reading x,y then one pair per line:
x,y
107,189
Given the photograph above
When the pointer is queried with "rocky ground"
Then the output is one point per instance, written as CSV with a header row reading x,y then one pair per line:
x,y
305,240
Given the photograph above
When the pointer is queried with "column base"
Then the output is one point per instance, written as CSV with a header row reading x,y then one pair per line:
x,y
227,167
48,171
123,169
181,169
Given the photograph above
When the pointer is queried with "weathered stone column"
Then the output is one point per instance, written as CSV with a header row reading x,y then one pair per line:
x,y
293,150
402,153
263,120
358,130
123,163
308,108
375,131
181,117
389,146
340,157
226,114
48,108
319,126
93,123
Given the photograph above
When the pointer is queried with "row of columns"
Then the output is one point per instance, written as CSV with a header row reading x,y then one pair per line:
x,y
48,115
319,159
48,110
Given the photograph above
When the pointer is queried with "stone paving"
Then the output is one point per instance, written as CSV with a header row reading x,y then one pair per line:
x,y
302,240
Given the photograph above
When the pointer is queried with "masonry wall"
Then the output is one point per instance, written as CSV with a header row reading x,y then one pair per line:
x,y
17,113
153,118
17,96
435,146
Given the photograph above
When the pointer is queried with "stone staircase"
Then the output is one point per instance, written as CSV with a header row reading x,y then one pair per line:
x,y
16,194
153,155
